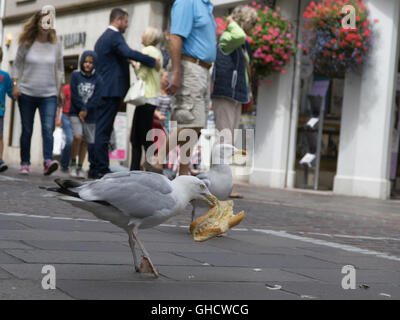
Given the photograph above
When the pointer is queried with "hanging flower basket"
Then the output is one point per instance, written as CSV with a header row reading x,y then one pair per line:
x,y
333,49
272,39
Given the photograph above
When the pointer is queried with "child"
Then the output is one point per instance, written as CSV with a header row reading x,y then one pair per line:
x,y
164,108
143,118
5,88
86,86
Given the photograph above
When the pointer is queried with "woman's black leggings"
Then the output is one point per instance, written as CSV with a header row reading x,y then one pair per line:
x,y
142,123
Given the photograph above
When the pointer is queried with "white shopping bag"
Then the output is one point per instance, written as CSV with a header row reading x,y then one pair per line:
x,y
59,141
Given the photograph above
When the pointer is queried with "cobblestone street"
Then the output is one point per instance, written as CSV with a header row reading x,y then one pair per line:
x,y
297,241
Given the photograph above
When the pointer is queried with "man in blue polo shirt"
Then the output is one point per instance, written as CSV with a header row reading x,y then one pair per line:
x,y
193,50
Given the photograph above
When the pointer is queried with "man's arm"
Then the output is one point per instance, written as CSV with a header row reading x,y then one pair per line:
x,y
123,50
176,44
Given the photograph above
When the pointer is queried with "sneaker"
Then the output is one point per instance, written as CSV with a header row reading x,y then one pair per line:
x,y
25,170
50,167
80,174
3,166
73,172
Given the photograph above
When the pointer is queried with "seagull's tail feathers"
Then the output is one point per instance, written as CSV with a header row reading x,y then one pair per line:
x,y
65,187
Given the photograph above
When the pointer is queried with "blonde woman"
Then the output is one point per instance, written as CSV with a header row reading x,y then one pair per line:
x,y
143,118
231,73
38,73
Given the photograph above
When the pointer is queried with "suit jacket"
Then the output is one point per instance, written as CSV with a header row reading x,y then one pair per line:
x,y
113,66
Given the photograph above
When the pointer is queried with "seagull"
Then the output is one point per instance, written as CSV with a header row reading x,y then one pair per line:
x,y
219,178
134,200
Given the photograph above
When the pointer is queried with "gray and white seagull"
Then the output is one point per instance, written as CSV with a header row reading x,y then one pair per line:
x,y
219,178
134,200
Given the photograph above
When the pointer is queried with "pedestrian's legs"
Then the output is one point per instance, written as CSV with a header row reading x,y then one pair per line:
x,y
225,115
91,155
148,125
66,152
48,110
104,125
82,153
27,107
187,146
136,137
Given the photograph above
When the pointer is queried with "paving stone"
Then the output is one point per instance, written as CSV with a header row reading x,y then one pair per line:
x,y
362,276
81,246
336,292
28,290
4,274
359,261
6,258
77,272
110,258
13,245
27,235
70,225
258,261
12,225
227,274
161,290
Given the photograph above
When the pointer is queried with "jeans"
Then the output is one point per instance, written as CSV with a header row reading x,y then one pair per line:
x,y
47,110
105,116
66,152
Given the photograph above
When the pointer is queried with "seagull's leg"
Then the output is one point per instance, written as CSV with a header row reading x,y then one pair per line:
x,y
132,245
146,255
193,203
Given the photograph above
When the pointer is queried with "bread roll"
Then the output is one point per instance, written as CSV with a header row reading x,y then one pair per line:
x,y
215,222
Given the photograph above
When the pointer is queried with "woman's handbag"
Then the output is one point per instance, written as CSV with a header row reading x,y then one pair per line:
x,y
137,92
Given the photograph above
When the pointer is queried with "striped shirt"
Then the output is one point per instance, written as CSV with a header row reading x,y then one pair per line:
x,y
35,68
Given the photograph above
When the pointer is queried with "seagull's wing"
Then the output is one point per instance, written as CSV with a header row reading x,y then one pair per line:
x,y
137,194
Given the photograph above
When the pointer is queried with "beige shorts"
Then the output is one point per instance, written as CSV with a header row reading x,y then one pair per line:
x,y
192,102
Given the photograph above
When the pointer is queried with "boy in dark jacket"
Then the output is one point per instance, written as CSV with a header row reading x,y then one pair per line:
x,y
86,88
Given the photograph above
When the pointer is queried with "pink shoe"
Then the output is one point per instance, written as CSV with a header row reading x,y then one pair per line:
x,y
50,167
24,170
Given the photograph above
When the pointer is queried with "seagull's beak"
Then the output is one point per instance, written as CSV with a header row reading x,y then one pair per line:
x,y
238,152
210,199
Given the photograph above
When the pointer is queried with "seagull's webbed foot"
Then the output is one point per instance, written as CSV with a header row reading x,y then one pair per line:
x,y
146,266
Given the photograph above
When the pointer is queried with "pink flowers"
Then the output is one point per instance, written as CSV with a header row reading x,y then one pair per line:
x,y
273,41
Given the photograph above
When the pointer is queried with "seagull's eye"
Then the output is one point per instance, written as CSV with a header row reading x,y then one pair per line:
x,y
202,187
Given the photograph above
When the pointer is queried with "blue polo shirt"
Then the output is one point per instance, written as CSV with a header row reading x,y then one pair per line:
x,y
193,20
5,88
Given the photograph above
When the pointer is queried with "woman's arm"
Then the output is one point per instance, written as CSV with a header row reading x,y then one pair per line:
x,y
17,70
232,38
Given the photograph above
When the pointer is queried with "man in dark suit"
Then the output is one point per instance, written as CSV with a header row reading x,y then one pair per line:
x,y
113,65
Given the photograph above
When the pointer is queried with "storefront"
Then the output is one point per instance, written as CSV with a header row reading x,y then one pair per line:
x,y
359,137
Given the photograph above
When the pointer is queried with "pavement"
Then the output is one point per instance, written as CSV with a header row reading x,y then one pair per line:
x,y
292,245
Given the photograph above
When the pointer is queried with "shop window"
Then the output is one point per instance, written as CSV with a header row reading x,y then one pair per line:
x,y
318,133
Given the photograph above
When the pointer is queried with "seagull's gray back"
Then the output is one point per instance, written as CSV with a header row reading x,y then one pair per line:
x,y
140,195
